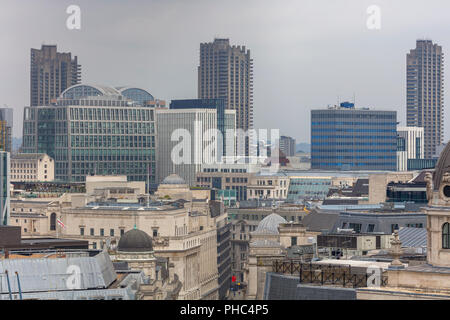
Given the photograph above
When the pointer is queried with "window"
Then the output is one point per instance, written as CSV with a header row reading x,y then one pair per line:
x,y
293,241
122,231
356,227
92,231
81,231
155,233
102,232
370,228
446,236
111,232
53,221
394,227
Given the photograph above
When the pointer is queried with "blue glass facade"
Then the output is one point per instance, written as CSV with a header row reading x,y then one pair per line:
x,y
353,139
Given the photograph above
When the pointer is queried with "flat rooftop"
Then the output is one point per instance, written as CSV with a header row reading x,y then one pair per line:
x,y
353,263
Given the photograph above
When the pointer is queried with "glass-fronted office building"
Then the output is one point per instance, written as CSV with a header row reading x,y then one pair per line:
x,y
346,138
6,125
94,130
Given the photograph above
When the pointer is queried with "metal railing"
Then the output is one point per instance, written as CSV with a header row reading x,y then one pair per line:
x,y
325,274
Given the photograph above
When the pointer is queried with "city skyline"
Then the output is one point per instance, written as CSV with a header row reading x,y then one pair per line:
x,y
284,46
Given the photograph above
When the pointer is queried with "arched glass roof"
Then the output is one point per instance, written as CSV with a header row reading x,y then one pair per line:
x,y
136,94
79,91
269,225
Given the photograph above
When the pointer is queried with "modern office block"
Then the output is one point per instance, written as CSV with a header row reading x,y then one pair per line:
x,y
425,93
51,73
287,146
224,118
347,138
230,140
226,72
94,130
6,126
4,188
409,146
184,139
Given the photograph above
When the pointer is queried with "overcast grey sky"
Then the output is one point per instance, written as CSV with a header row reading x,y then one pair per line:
x,y
306,53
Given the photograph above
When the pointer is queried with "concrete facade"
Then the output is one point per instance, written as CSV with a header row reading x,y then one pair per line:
x,y
378,184
51,73
226,72
32,167
425,92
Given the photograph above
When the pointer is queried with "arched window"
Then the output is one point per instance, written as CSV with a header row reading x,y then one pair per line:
x,y
53,221
446,236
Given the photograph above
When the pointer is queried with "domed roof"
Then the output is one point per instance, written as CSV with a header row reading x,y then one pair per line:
x,y
442,166
135,241
269,225
173,179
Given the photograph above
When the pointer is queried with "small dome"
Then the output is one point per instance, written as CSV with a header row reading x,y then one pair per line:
x,y
173,179
442,167
135,241
269,224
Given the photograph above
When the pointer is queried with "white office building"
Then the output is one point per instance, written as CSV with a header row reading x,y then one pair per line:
x,y
186,140
410,145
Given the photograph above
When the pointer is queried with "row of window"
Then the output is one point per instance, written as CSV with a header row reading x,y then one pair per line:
x,y
352,137
101,233
353,157
352,150
352,143
351,130
355,164
225,170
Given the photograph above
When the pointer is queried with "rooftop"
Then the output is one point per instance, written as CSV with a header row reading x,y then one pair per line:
x,y
28,156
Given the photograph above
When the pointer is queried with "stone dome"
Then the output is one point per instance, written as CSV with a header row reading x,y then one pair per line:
x,y
173,179
442,167
135,241
269,225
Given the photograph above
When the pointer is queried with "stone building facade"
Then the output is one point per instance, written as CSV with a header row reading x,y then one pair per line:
x,y
32,167
178,219
430,280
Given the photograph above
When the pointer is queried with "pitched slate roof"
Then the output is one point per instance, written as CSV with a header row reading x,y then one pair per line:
x,y
413,237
